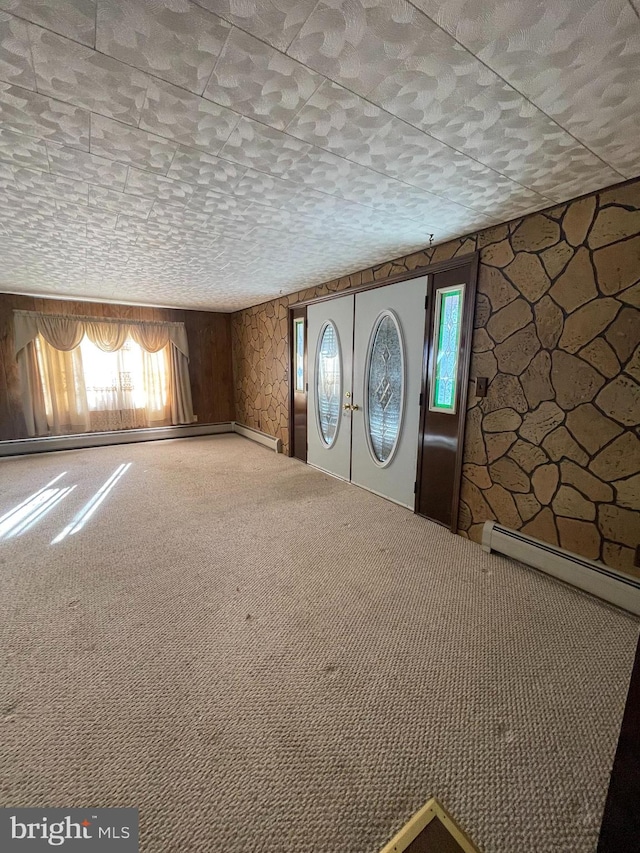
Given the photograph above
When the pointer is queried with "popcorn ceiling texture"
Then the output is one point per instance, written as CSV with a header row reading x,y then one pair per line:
x,y
553,448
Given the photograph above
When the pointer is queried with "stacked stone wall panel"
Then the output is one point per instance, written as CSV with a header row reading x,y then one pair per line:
x,y
553,448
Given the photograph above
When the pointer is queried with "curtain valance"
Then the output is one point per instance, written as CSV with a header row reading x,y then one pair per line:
x,y
64,332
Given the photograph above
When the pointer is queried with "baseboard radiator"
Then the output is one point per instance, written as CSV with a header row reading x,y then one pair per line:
x,y
50,443
44,444
588,575
269,441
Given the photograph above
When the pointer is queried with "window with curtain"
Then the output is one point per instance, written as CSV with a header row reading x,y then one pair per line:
x,y
84,375
124,389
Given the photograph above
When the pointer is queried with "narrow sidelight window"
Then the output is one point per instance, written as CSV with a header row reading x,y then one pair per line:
x,y
298,326
446,334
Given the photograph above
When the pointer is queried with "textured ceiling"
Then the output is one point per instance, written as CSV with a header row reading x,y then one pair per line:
x,y
218,153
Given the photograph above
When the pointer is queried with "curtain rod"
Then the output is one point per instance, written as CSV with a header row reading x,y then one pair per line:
x,y
99,319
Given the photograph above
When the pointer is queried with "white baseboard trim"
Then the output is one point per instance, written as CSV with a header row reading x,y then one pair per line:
x,y
588,575
269,441
52,443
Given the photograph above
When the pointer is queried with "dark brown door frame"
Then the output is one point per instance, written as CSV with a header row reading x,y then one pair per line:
x,y
297,400
440,266
465,350
466,338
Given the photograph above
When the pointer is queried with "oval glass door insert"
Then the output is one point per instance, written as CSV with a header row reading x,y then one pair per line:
x,y
329,383
385,388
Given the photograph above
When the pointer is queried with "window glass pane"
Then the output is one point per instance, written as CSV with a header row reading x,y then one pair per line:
x,y
385,388
299,338
128,378
447,334
328,372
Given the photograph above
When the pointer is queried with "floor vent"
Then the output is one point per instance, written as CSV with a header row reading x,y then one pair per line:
x,y
431,830
588,575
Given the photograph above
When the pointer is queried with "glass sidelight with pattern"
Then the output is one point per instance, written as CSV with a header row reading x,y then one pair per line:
x,y
446,335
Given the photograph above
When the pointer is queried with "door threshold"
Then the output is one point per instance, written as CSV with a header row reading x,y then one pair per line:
x,y
328,473
358,486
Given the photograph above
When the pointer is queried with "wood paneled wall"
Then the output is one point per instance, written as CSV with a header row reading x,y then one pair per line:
x,y
209,336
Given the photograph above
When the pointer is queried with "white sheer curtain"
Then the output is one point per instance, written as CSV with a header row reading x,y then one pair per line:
x,y
64,394
89,374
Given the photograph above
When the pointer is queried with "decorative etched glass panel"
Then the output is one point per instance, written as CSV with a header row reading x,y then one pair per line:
x,y
299,338
448,320
385,388
328,372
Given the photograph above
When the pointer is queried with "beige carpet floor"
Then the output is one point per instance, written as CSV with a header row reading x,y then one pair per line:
x,y
262,658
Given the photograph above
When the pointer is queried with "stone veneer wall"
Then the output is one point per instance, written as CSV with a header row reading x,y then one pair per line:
x,y
553,449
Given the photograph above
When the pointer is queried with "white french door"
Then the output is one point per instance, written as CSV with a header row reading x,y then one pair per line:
x,y
365,372
330,359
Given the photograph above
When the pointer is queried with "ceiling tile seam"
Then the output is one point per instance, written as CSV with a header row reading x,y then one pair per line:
x,y
299,30
375,134
124,189
258,38
144,72
271,47
33,64
311,219
173,157
30,23
130,127
400,181
90,183
152,199
301,186
90,128
150,77
321,83
441,141
222,144
143,108
324,79
144,101
215,64
461,153
326,151
57,101
251,118
46,148
511,86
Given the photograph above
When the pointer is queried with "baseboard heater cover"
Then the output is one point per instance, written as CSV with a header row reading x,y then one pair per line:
x,y
588,575
269,441
52,443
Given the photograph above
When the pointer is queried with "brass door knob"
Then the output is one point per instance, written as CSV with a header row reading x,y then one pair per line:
x,y
355,407
346,407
